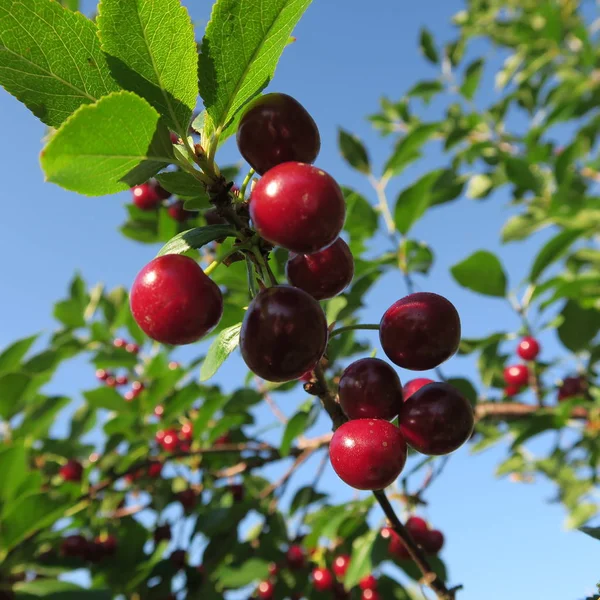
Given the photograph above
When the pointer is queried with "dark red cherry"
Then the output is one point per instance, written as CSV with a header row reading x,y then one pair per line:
x,y
275,129
121,380
420,331
102,374
295,557
368,583
162,533
155,469
298,207
410,387
174,302
188,499
119,343
108,544
132,348
322,580
437,419
397,547
284,333
237,491
223,440
511,390
528,348
146,196
340,565
516,375
178,558
169,439
433,541
368,454
324,274
72,471
416,524
75,546
370,389
179,213
265,590
571,387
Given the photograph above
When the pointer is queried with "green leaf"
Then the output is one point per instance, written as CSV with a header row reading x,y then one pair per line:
x,y
416,257
107,398
50,59
195,238
12,390
11,357
305,496
223,345
13,471
413,201
465,387
54,589
591,531
481,272
184,185
360,562
295,426
240,50
238,576
520,173
426,89
582,514
579,326
361,220
552,251
353,151
472,78
480,186
151,50
108,147
519,227
407,149
427,46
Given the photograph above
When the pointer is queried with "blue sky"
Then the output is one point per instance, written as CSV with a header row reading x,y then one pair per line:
x,y
503,539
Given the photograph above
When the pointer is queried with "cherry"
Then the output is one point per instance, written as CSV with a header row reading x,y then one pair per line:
x,y
370,595
119,343
162,533
72,471
298,207
132,348
129,396
324,274
433,541
420,331
178,213
387,533
111,381
94,552
178,558
414,524
322,580
188,499
237,491
159,411
108,544
169,440
155,469
284,333
571,387
295,557
146,196
265,590
340,565
212,217
275,129
174,302
187,431
368,583
370,389
528,348
516,375
397,547
437,419
511,390
173,366
223,440
410,387
102,375
75,546
122,380
368,454
273,569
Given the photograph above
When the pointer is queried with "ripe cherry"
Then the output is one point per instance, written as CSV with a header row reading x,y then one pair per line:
x,y
370,595
174,302
368,583
102,375
528,348
368,454
437,419
178,213
416,524
275,129
265,590
571,387
284,333
155,469
295,557
108,544
420,331
159,411
223,440
433,541
188,499
187,431
410,387
397,547
298,207
162,533
119,343
178,558
237,491
169,440
511,390
340,565
146,196
324,274
122,380
516,375
132,348
111,381
370,389
74,545
72,471
322,580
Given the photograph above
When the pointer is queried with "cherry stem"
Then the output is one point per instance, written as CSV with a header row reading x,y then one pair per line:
x,y
340,330
245,183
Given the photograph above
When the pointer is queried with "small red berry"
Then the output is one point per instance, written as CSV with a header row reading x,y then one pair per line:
x,y
340,565
155,469
174,138
137,386
571,387
295,557
119,343
122,380
511,390
420,331
223,440
146,196
187,431
368,583
170,440
368,454
178,213
370,389
173,365
111,381
74,545
273,569
188,499
162,533
387,533
174,302
102,375
129,396
516,375
528,348
178,558
108,544
265,590
397,547
416,524
433,541
132,348
322,580
72,471
414,385
94,552
298,207
370,595
159,411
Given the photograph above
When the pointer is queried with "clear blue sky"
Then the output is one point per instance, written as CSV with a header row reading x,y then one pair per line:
x,y
503,539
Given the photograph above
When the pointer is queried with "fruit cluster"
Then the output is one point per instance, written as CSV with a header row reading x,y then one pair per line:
x,y
94,551
431,541
151,196
516,377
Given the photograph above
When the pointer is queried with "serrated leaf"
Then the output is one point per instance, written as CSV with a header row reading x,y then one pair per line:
x,y
223,345
184,185
427,46
295,426
354,151
413,201
195,238
481,272
407,149
552,250
233,73
50,59
579,326
472,78
360,562
151,50
108,147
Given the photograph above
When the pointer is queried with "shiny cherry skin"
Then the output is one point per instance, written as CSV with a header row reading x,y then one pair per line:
x,y
284,333
322,580
102,374
295,557
146,196
516,375
132,348
416,524
340,565
433,541
119,343
511,390
186,432
397,548
571,387
265,590
275,129
370,389
368,583
410,387
437,419
168,439
174,302
368,454
155,469
324,274
178,558
370,595
528,348
75,546
188,499
298,207
178,213
72,471
420,331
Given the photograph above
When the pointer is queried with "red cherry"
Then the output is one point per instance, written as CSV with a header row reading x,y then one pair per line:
x,y
295,557
324,274
273,569
516,375
94,552
340,565
170,440
414,524
223,440
155,469
420,331
387,533
512,390
75,546
122,380
174,302
102,375
174,138
162,533
132,348
178,213
298,207
185,446
187,431
528,348
119,343
237,491
370,389
397,548
178,558
111,381
146,196
72,471
370,595
433,541
129,396
275,129
212,217
108,544
188,499
368,583
368,454
571,387
173,365
265,590
410,387
322,580
284,333
159,411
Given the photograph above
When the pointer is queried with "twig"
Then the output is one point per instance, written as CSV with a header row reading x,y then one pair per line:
x,y
313,487
270,402
286,476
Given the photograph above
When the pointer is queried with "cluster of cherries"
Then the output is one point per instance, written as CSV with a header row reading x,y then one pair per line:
x,y
94,551
150,196
112,380
430,540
